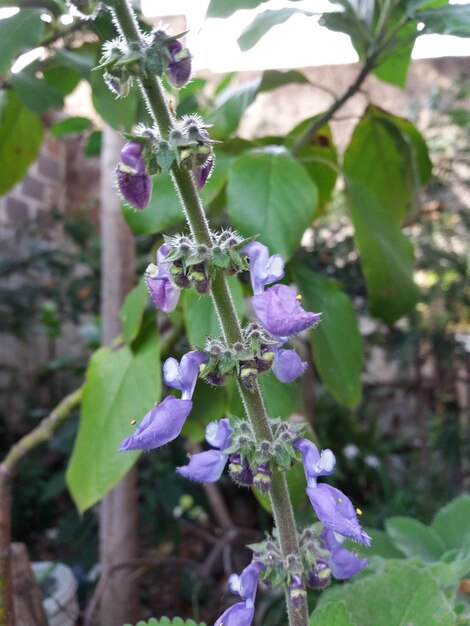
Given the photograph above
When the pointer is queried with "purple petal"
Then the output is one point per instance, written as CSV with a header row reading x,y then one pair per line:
x,y
249,582
335,512
204,467
236,615
288,366
319,575
203,172
281,313
131,155
136,189
218,434
165,294
315,464
178,71
161,425
342,563
264,269
183,375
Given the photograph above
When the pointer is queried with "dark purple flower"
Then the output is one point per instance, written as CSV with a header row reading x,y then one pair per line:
x,y
264,269
342,563
280,312
207,467
183,375
240,471
178,69
245,585
161,425
288,365
319,575
333,508
203,172
262,478
133,179
165,294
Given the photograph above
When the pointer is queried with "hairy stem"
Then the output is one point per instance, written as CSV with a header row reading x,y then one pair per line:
x,y
194,211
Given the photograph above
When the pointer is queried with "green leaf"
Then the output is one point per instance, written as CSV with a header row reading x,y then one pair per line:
x,y
120,113
21,135
19,33
281,399
224,8
263,23
414,539
452,522
449,20
231,105
386,254
417,143
399,594
319,158
132,311
200,317
80,60
120,385
93,144
70,126
233,101
394,63
336,341
331,615
379,157
62,78
36,94
269,194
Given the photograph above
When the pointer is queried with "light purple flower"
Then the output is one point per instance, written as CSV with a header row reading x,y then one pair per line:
x,y
133,179
183,375
207,467
245,585
332,507
342,563
264,269
203,172
161,425
280,312
288,365
165,294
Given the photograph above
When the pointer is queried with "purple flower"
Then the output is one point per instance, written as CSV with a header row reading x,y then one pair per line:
x,y
332,507
165,294
178,69
288,365
342,563
203,172
245,585
183,375
207,467
319,575
240,471
280,312
264,269
161,425
133,179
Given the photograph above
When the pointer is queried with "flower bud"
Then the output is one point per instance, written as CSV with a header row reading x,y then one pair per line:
x,y
297,593
248,376
119,85
133,180
240,472
265,361
319,576
178,69
215,378
203,172
178,276
263,478
199,279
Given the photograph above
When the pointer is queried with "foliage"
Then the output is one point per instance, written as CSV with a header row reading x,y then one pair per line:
x,y
165,621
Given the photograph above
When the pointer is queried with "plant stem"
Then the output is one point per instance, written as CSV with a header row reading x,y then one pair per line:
x,y
194,211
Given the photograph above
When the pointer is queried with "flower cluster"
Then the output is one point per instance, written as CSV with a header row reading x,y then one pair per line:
x,y
147,153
